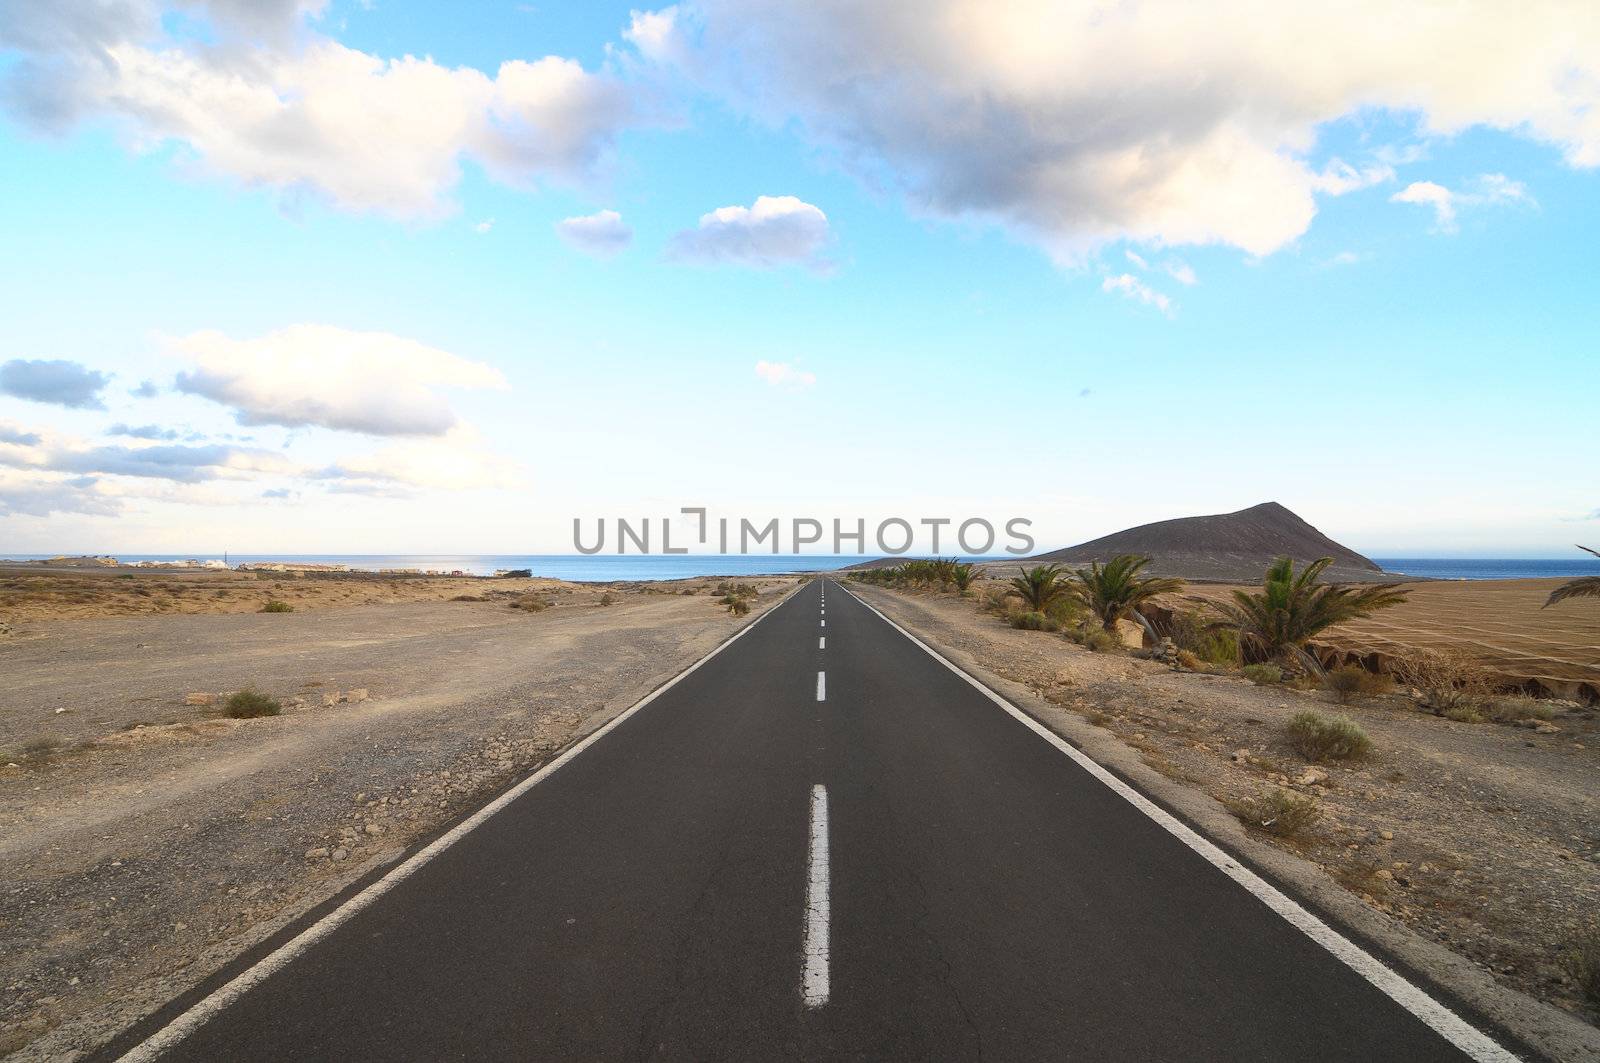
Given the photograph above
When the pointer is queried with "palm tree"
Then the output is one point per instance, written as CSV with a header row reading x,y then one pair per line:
x,y
1039,586
1582,587
1116,591
963,573
1289,610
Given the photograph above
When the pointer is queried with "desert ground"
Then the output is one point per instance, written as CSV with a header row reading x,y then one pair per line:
x,y
146,839
1481,837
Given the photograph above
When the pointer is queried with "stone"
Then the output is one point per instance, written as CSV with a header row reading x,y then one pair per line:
x,y
1312,777
1241,756
1383,874
375,828
319,853
356,695
330,700
1386,835
199,698
340,854
1545,727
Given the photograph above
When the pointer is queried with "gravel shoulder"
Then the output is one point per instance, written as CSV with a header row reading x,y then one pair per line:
x,y
153,840
1469,851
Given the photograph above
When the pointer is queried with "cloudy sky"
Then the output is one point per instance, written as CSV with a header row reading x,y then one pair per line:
x,y
367,277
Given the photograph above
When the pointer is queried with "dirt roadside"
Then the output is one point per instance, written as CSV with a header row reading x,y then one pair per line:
x,y
156,840
1469,851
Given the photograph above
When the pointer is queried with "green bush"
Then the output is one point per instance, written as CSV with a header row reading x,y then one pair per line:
x,y
276,606
1320,737
250,703
1191,631
1101,641
737,605
1262,674
1282,812
1066,611
517,573
1034,621
1349,682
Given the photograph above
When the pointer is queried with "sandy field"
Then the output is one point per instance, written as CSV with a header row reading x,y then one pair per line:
x,y
145,841
1554,651
1482,838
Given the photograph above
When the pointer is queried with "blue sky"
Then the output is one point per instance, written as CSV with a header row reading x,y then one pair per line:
x,y
974,315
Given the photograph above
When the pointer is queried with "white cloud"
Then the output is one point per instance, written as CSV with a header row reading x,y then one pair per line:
x,y
602,234
782,374
1181,272
483,226
1344,258
774,231
1137,259
1426,193
1134,288
330,377
300,113
41,496
1077,123
1488,189
1339,177
460,460
58,383
656,34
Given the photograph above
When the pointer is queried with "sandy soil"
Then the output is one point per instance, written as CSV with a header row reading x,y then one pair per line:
x,y
155,840
1503,623
1484,838
41,593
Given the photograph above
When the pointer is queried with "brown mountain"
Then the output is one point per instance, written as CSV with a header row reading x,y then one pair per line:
x,y
1227,547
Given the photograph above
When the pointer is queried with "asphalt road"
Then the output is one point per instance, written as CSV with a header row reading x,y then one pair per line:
x,y
741,871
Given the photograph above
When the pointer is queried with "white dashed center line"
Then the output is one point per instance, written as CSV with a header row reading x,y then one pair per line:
x,y
822,686
822,643
814,975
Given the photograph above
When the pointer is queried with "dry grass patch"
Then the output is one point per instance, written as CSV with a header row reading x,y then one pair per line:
x,y
250,704
1317,736
1282,813
1582,961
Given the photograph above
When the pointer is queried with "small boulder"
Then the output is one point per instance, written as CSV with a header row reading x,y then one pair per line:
x,y
330,700
319,853
341,854
1312,777
1241,756
358,694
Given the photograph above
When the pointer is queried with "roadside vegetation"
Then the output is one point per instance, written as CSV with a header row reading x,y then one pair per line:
x,y
1275,623
250,704
1319,737
276,606
1582,587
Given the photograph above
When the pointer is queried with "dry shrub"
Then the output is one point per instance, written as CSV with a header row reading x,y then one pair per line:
x,y
276,606
607,598
1350,682
249,703
1519,707
1029,621
1320,737
530,603
1102,641
1281,812
1262,674
1444,680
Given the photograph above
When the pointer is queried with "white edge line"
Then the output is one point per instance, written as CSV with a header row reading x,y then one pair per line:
x,y
814,974
191,1020
1440,1019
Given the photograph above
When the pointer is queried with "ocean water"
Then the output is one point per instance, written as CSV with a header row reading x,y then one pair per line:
x,y
1491,568
601,568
